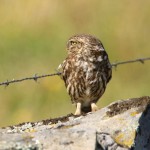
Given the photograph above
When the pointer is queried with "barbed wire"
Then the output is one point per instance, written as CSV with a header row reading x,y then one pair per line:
x,y
36,77
141,60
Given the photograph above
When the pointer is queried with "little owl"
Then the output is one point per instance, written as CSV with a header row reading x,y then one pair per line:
x,y
86,71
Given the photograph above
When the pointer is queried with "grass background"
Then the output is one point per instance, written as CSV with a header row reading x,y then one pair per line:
x,y
33,35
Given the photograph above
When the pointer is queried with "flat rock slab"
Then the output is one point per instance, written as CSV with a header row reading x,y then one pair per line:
x,y
122,125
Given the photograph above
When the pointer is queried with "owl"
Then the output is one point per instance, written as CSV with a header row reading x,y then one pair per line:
x,y
86,71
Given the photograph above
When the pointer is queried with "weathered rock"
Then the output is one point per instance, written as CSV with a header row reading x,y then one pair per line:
x,y
122,125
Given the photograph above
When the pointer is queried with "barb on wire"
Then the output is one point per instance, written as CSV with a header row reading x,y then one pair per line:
x,y
35,77
141,60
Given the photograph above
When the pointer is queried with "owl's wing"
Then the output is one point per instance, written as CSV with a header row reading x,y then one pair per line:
x,y
60,68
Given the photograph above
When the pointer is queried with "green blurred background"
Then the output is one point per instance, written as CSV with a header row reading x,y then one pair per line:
x,y
33,35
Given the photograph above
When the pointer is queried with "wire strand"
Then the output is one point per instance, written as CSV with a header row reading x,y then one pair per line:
x,y
35,77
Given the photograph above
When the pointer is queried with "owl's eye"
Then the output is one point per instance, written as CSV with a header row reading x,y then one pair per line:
x,y
73,43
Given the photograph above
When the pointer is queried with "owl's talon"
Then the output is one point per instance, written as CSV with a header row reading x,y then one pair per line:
x,y
78,109
94,107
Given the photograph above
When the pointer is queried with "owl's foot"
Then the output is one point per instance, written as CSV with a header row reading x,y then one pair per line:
x,y
78,109
94,107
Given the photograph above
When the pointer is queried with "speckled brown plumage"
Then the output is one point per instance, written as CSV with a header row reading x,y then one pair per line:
x,y
86,71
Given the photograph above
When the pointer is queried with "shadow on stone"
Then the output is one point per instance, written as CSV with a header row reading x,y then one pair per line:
x,y
142,139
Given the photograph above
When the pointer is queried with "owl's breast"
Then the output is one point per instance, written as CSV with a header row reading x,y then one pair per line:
x,y
83,80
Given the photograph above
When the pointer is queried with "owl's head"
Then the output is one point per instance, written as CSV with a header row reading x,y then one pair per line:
x,y
84,43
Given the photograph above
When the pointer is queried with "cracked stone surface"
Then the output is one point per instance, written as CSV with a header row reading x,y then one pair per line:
x,y
123,125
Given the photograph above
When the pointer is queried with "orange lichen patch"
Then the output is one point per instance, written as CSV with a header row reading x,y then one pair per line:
x,y
122,139
31,130
134,113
